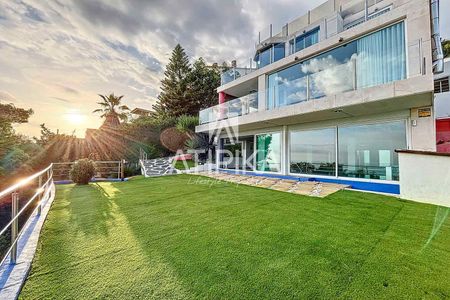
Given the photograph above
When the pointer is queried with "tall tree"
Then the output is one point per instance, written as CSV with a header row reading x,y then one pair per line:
x,y
175,94
112,110
204,81
13,146
9,115
186,89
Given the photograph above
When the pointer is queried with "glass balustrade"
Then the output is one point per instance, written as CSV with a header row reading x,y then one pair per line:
x,y
233,74
233,108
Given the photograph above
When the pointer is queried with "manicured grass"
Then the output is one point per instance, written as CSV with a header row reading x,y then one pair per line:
x,y
181,237
184,165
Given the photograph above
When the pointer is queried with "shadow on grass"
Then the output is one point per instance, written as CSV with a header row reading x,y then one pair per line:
x,y
89,215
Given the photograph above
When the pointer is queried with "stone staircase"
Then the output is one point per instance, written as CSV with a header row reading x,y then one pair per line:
x,y
157,167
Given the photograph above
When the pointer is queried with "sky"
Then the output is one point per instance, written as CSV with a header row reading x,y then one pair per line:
x,y
57,56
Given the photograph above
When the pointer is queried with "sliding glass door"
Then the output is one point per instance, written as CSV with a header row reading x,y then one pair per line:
x,y
381,57
363,151
313,152
368,151
268,152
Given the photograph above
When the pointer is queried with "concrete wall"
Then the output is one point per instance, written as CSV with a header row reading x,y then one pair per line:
x,y
425,178
262,93
423,130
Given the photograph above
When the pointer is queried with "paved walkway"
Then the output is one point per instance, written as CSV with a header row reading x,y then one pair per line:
x,y
307,188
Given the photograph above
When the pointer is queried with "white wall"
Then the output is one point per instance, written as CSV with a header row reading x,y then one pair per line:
x,y
423,131
425,178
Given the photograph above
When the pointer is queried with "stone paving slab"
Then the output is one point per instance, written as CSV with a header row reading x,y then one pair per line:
x,y
306,188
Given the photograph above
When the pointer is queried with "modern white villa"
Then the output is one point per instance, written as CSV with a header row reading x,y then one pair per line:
x,y
334,94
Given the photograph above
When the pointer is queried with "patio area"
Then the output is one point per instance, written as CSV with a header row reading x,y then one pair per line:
x,y
306,188
194,237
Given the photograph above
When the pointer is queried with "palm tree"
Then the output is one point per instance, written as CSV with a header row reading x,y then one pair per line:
x,y
112,110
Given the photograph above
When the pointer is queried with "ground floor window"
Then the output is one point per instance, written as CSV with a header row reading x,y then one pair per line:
x,y
363,151
231,155
268,152
313,152
356,151
368,151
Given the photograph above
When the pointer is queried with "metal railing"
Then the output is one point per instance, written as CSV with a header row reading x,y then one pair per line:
x,y
142,157
44,182
142,154
103,169
233,108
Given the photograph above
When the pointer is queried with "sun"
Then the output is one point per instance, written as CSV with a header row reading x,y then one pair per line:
x,y
75,118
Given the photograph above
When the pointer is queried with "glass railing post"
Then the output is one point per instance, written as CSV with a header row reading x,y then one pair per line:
x,y
244,105
307,88
354,74
40,187
14,226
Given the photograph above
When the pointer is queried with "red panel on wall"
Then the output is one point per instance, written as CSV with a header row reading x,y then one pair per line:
x,y
443,135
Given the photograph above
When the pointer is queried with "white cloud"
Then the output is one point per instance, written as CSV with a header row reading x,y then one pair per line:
x,y
58,55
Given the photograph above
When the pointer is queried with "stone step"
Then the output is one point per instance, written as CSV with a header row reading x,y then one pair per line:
x,y
158,166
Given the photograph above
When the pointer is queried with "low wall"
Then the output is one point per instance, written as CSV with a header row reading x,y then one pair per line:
x,y
425,176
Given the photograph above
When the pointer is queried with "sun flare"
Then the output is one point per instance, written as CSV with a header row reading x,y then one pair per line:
x,y
75,118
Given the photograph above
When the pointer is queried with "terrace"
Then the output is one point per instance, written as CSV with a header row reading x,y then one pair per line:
x,y
188,236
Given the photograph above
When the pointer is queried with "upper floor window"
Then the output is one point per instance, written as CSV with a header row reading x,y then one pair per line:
x,y
304,41
374,59
270,55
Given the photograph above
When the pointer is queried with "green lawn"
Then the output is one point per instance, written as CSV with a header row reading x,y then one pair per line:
x,y
184,165
174,237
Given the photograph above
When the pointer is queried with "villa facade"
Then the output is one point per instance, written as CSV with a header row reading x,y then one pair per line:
x,y
334,94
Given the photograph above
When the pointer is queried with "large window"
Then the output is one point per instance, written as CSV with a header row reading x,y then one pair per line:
x,y
268,152
270,55
381,57
368,151
278,52
313,152
375,59
363,151
304,41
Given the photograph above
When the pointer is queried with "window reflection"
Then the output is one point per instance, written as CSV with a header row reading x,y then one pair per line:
x,y
372,60
304,41
278,52
368,151
268,152
270,55
313,152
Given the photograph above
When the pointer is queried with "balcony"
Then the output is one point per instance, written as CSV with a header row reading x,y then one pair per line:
x,y
233,74
233,108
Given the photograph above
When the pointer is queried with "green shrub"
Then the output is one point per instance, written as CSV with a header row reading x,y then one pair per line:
x,y
82,171
132,170
186,123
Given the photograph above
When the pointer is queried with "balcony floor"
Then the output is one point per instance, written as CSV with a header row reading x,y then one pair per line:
x,y
188,236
